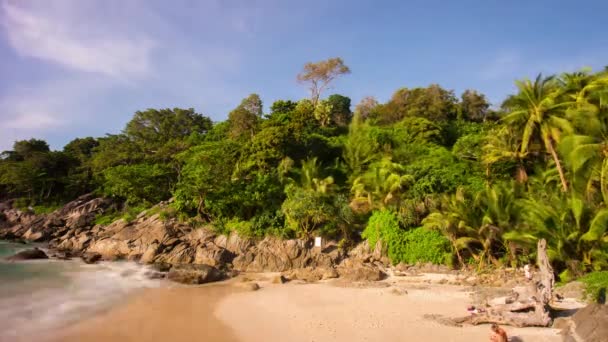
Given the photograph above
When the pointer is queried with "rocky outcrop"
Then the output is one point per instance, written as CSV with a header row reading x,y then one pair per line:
x,y
591,323
275,255
71,231
356,270
73,218
28,254
195,274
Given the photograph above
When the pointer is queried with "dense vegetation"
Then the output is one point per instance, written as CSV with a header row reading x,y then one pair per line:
x,y
491,182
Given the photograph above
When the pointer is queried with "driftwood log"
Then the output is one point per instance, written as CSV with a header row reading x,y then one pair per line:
x,y
528,305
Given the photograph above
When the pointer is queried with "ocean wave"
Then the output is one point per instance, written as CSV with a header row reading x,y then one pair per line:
x,y
82,290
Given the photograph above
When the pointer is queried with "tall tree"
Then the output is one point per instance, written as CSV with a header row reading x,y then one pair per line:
x,y
366,106
537,113
432,102
321,74
473,106
253,104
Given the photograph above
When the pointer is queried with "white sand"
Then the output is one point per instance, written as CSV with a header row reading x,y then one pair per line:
x,y
323,312
291,312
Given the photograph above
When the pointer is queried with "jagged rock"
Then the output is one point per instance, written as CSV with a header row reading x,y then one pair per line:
x,y
195,274
591,323
355,270
280,279
275,255
234,243
155,275
329,273
306,274
91,258
162,267
28,254
150,253
182,253
212,254
574,289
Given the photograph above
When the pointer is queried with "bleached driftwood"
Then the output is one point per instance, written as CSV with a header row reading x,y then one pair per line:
x,y
528,305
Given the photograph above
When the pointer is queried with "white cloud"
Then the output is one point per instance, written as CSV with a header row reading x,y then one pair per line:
x,y
64,37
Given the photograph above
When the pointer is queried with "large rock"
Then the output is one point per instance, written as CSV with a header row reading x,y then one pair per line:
x,y
276,255
29,254
355,270
91,258
133,240
574,289
591,323
195,274
78,214
213,255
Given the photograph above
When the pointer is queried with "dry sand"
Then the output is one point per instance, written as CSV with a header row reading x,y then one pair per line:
x,y
292,312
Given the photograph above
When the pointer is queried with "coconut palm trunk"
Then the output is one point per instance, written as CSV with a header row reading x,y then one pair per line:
x,y
558,164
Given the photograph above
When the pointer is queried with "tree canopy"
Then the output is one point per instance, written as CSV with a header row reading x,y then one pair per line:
x,y
473,185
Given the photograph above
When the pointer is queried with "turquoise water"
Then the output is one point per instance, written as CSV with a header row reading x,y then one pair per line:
x,y
38,296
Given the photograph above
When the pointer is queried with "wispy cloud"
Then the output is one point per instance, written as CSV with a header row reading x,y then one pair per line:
x,y
63,37
118,57
506,63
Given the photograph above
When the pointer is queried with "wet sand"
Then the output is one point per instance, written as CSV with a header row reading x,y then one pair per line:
x,y
165,314
291,312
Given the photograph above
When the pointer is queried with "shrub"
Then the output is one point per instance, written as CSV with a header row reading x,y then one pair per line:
x,y
409,246
382,225
420,245
596,284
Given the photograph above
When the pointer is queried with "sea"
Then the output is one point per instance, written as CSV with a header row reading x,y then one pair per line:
x,y
38,296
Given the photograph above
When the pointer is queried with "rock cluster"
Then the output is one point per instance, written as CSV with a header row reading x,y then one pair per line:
x,y
194,255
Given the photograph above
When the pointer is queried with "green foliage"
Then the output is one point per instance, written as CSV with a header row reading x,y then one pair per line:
x,y
47,208
420,245
383,226
408,246
596,285
491,188
139,183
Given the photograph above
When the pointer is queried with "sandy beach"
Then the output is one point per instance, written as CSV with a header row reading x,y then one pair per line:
x,y
392,310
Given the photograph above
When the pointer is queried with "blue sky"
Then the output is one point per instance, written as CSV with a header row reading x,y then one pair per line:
x,y
82,68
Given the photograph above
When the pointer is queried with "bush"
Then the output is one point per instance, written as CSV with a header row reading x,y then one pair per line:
x,y
128,213
408,246
596,284
382,225
420,245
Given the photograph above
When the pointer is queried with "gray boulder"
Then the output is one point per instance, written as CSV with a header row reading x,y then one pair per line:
x,y
29,254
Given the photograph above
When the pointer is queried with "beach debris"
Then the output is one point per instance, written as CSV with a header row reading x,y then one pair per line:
x,y
248,286
527,306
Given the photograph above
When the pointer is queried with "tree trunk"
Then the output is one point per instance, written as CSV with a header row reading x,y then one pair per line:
x,y
557,164
528,305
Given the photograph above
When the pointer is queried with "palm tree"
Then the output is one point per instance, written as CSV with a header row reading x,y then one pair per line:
x,y
454,221
587,153
502,145
575,231
536,110
382,184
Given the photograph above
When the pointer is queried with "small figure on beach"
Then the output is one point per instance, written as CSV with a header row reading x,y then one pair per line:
x,y
498,334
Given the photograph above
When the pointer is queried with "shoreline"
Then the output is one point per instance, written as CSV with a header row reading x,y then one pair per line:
x,y
326,311
160,314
